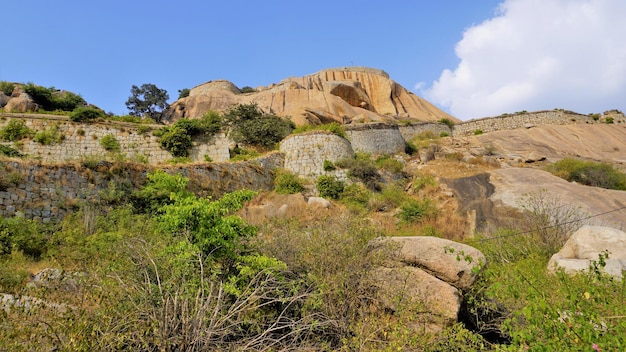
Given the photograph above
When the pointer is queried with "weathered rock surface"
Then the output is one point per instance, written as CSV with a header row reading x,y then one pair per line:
x,y
427,274
20,103
452,262
585,246
4,99
343,95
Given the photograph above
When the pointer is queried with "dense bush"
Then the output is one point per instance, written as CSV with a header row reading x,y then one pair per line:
x,y
10,152
589,173
287,183
20,234
51,99
7,87
86,113
110,143
49,135
14,131
249,125
387,163
329,186
178,138
332,127
362,168
415,210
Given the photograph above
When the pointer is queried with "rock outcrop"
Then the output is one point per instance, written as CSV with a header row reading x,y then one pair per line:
x,y
343,95
586,245
425,273
20,101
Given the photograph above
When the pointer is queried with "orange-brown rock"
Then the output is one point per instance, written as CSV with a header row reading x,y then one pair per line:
x,y
350,94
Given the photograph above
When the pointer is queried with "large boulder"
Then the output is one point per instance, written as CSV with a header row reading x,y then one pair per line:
x,y
343,95
4,99
586,245
20,103
426,275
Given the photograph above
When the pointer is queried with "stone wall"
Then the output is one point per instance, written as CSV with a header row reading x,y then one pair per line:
x,y
305,153
410,131
375,138
46,192
82,140
521,120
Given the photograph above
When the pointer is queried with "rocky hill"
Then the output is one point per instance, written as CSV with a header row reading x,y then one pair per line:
x,y
345,95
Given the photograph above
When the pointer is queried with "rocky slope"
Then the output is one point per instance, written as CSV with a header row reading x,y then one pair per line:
x,y
349,94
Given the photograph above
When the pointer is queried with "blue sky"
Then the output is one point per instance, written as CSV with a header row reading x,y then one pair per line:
x,y
472,58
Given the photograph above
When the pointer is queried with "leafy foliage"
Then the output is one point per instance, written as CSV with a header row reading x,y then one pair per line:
x,y
330,187
287,183
147,101
51,99
589,173
332,127
86,113
251,126
10,152
7,87
14,131
183,93
363,168
178,138
20,234
414,210
110,143
49,135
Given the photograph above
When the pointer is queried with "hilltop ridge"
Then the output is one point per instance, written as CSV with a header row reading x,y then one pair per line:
x,y
345,95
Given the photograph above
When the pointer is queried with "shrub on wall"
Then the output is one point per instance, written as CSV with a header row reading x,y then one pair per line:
x,y
249,125
110,143
86,113
49,135
6,87
14,131
10,152
177,139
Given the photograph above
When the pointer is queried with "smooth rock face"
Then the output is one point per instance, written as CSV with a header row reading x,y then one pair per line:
x,y
20,103
427,274
343,95
452,262
585,246
413,288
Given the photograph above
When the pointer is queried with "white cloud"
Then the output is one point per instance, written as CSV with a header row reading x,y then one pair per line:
x,y
539,54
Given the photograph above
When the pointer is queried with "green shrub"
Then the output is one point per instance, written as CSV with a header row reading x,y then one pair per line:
x,y
356,195
609,120
176,141
49,135
14,131
86,113
242,154
10,152
287,183
447,122
20,234
589,173
444,134
7,87
183,93
478,132
362,168
329,166
110,143
410,148
415,210
247,89
387,163
329,186
389,198
249,125
51,99
332,127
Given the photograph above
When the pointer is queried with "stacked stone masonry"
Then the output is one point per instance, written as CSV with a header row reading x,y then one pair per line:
x,y
83,141
376,138
305,153
46,191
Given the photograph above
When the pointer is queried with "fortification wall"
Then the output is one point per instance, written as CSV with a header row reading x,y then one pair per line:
x,y
46,192
82,140
375,138
521,120
305,153
410,131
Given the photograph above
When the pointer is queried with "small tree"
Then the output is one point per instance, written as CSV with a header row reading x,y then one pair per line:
x,y
147,101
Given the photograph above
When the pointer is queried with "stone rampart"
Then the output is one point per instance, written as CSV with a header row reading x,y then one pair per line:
x,y
410,131
46,192
82,140
375,138
305,153
521,120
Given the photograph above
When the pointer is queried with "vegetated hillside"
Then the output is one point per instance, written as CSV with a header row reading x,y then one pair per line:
x,y
347,94
161,268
